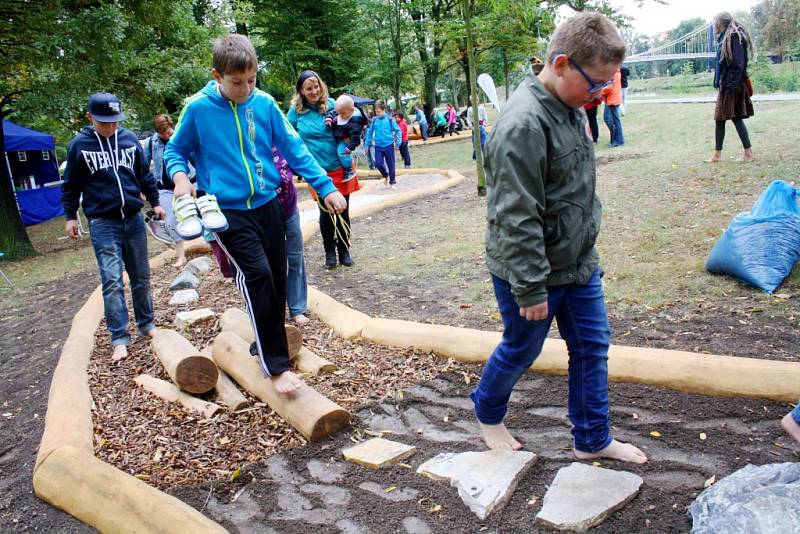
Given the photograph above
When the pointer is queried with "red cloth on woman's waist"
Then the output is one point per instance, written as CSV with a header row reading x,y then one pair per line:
x,y
344,188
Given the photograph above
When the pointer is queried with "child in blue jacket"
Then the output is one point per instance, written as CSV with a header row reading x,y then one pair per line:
x,y
229,128
386,134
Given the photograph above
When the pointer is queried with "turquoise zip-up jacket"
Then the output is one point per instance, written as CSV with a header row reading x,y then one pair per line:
x,y
318,137
385,131
232,148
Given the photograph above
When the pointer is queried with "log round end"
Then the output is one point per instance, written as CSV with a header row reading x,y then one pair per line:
x,y
329,424
196,374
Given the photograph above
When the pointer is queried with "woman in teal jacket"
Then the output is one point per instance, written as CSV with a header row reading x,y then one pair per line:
x,y
309,105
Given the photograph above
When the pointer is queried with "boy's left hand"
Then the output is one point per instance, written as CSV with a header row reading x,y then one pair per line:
x,y
336,202
159,213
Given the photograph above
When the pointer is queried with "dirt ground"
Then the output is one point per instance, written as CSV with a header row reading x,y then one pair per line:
x,y
265,497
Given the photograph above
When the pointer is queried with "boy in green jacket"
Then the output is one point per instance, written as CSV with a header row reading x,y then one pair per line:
x,y
543,220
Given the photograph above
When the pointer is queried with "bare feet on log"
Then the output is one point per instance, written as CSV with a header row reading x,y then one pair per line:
x,y
301,320
791,427
287,383
624,452
120,352
498,438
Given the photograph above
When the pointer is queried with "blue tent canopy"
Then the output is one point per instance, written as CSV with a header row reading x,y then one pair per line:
x,y
37,203
20,138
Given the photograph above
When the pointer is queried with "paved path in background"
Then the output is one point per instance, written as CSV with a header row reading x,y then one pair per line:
x,y
704,99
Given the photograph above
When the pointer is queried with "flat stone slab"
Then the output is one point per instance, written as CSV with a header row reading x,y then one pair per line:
x,y
485,480
583,496
183,297
185,280
199,265
761,499
189,318
378,452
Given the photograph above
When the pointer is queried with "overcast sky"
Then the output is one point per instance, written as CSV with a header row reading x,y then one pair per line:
x,y
653,18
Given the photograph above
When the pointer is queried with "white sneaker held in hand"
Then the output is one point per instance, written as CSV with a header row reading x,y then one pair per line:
x,y
213,219
189,224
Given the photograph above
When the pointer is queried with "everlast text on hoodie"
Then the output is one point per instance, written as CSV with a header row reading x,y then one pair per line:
x,y
110,172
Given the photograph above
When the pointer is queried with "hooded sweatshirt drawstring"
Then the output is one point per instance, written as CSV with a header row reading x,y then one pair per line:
x,y
113,157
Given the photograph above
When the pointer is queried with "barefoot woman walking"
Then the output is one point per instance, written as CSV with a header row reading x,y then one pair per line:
x,y
733,100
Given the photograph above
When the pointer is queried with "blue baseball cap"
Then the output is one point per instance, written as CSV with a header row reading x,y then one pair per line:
x,y
106,107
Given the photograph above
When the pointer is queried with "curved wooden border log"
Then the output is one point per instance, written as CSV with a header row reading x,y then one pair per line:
x,y
706,374
310,413
170,393
110,500
309,362
197,245
185,365
345,321
238,322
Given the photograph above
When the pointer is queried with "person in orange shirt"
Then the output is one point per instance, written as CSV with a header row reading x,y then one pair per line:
x,y
612,95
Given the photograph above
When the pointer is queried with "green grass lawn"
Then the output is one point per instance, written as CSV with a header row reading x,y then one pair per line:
x,y
664,207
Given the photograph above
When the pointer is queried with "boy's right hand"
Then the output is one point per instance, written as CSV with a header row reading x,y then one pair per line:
x,y
182,184
534,313
72,228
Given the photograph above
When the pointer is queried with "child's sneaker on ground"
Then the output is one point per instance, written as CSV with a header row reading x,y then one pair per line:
x,y
213,219
189,224
349,175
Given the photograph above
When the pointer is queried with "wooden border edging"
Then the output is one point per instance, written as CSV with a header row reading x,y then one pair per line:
x,y
69,476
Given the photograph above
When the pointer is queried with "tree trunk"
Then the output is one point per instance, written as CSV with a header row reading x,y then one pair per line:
x,y
476,130
14,240
168,392
190,370
310,413
505,71
236,321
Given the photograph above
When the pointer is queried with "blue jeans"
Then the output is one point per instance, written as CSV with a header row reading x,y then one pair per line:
x,y
796,413
296,291
423,130
117,243
482,135
345,158
385,154
612,119
580,312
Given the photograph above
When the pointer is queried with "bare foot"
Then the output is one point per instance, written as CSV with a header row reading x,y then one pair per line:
x,y
287,383
791,427
152,333
624,452
120,352
714,159
301,320
747,156
498,438
180,261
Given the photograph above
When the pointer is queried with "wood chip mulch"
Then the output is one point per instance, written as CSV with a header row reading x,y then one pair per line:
x,y
165,445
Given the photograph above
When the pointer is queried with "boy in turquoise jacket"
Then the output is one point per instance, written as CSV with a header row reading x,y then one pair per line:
x,y
386,134
229,128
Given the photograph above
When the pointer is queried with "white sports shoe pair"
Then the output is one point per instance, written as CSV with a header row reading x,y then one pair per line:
x,y
195,215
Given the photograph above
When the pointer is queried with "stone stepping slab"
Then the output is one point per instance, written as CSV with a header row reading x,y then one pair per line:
x,y
378,452
485,480
583,496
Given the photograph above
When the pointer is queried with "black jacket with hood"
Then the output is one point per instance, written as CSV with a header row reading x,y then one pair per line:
x,y
110,172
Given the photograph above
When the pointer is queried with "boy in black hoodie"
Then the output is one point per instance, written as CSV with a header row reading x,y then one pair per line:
x,y
106,165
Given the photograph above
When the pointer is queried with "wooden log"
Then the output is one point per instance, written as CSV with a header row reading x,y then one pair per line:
x,y
309,362
227,391
110,500
311,414
167,391
236,321
190,370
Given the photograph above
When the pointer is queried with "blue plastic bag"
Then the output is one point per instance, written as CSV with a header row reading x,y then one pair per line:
x,y
760,247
